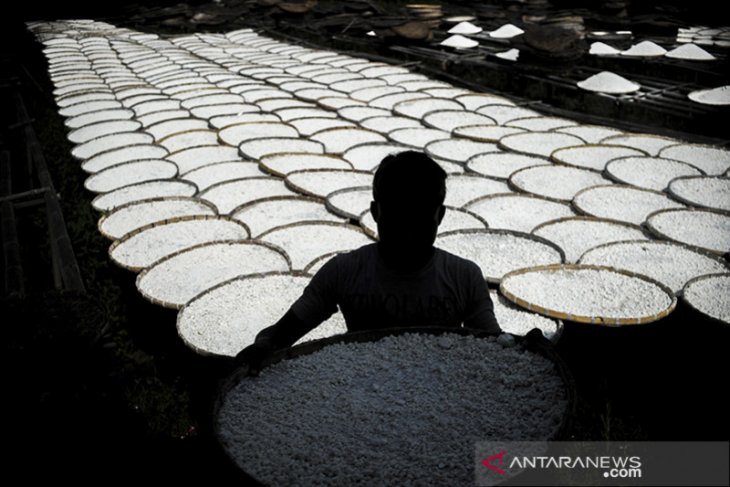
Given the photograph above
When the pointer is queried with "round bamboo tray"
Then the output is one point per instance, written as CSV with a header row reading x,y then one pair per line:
x,y
697,307
127,237
533,345
596,320
145,273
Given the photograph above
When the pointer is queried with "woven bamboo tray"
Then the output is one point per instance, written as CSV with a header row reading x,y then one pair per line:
x,y
105,219
651,226
131,235
139,282
596,320
695,306
174,187
536,345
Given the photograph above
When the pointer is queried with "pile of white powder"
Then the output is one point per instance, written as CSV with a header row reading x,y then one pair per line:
x,y
403,410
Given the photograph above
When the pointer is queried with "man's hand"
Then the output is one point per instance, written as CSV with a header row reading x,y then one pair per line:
x,y
254,355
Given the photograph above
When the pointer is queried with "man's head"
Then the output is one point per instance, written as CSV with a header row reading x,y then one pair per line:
x,y
408,195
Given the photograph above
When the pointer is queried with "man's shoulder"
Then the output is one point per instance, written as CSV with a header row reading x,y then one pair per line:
x,y
351,258
453,262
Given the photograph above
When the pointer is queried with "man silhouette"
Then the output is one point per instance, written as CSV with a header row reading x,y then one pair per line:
x,y
402,280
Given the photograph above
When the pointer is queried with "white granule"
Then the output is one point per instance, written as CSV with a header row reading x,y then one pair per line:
x,y
579,234
128,173
518,212
167,128
622,203
645,49
485,133
350,202
593,156
322,182
152,106
706,229
389,101
85,113
233,135
273,104
141,191
221,115
712,160
404,410
89,132
229,195
518,321
507,31
651,144
358,113
502,165
465,28
691,52
385,125
557,182
706,191
592,134
417,137
259,148
283,164
462,188
498,252
504,113
373,92
449,120
472,101
223,121
648,172
539,143
190,159
669,263
419,107
218,172
458,150
139,250
120,155
214,98
304,242
310,126
590,293
138,214
719,96
367,157
80,99
265,214
155,117
226,319
602,49
608,82
179,278
711,296
348,86
337,141
541,124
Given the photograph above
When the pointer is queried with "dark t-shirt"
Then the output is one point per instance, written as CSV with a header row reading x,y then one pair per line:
x,y
447,291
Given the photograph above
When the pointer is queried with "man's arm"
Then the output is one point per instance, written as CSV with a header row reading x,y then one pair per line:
x,y
317,303
284,333
480,311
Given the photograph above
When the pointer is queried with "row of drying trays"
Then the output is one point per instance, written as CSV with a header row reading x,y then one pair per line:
x,y
229,167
